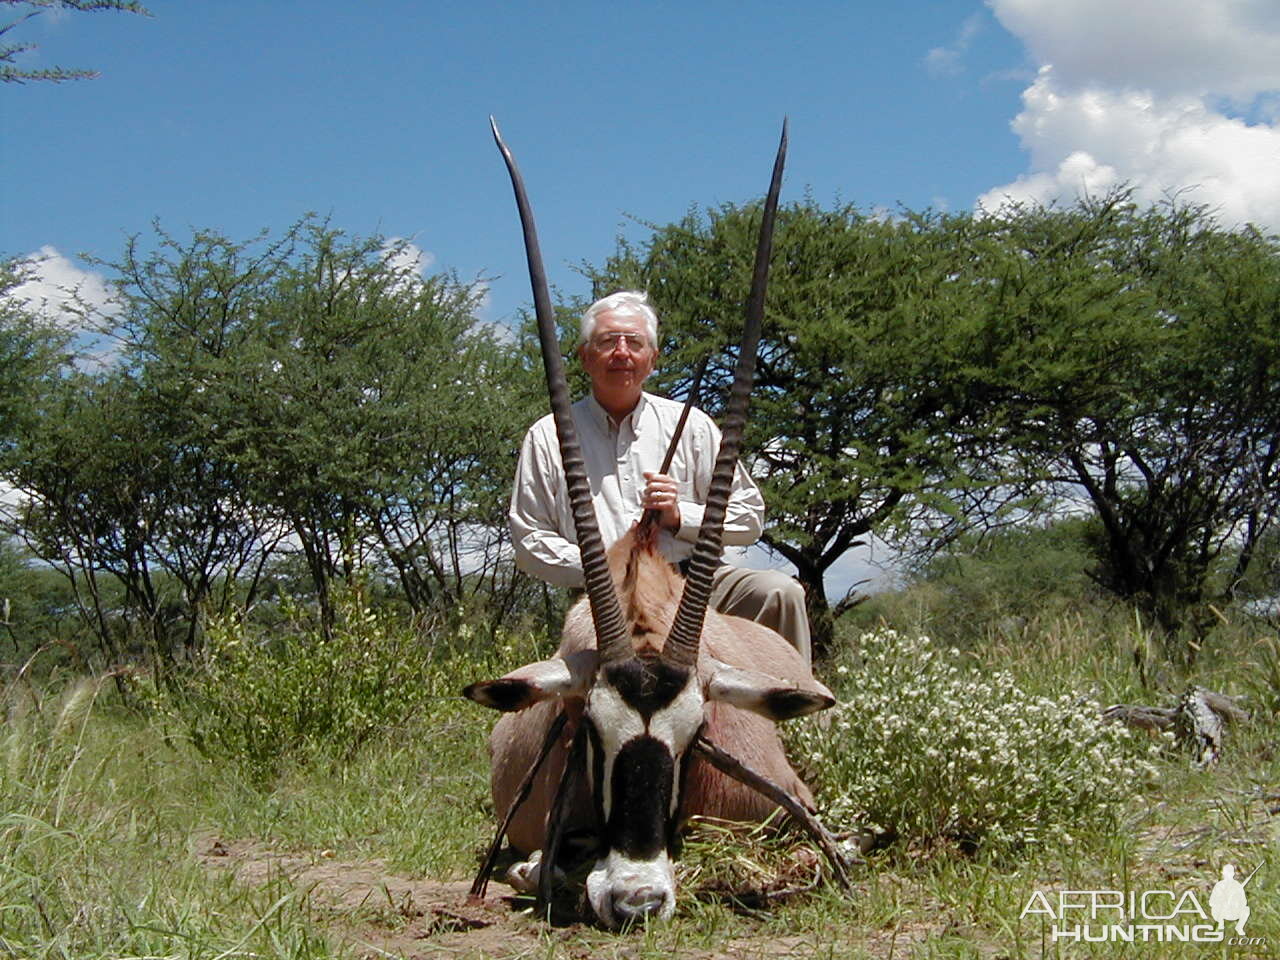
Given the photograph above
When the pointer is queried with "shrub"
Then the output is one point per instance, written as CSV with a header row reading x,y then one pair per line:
x,y
301,693
925,750
1000,585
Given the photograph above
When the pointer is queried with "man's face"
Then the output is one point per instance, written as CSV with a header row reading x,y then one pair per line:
x,y
618,357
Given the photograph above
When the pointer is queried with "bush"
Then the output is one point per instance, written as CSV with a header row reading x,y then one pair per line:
x,y
996,586
925,750
38,614
301,694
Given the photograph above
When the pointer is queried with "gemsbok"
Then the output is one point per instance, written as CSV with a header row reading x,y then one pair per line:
x,y
653,709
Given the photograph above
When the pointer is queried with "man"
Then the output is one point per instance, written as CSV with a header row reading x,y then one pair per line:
x,y
624,434
1228,901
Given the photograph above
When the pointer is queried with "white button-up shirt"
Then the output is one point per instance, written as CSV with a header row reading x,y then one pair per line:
x,y
616,458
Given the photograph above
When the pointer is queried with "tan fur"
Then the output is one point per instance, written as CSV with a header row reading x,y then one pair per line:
x,y
649,590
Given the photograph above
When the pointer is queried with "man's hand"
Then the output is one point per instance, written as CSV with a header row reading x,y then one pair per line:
x,y
662,493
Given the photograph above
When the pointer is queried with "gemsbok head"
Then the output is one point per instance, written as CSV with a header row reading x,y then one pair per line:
x,y
650,700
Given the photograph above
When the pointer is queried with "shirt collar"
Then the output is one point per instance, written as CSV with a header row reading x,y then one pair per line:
x,y
601,416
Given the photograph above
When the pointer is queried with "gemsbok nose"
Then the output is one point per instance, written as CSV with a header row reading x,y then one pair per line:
x,y
639,903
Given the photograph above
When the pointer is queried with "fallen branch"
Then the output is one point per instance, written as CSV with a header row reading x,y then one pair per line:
x,y
1198,721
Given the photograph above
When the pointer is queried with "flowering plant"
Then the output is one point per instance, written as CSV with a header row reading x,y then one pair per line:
x,y
923,749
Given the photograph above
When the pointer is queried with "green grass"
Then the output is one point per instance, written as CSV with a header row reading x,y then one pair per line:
x,y
107,817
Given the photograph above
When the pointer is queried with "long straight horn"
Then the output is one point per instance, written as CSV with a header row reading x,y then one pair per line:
x,y
682,643
611,627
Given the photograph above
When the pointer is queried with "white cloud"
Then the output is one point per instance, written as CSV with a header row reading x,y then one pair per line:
x,y
67,297
948,61
1168,47
405,255
60,292
1150,93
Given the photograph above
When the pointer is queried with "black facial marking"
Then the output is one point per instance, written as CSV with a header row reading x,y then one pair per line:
x,y
595,762
675,842
642,778
502,694
647,685
785,704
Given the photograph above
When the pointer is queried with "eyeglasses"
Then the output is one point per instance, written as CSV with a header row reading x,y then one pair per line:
x,y
608,342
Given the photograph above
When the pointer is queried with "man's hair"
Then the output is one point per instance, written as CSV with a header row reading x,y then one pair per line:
x,y
627,303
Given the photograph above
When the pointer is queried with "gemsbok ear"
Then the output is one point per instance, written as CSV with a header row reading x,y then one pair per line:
x,y
763,694
570,676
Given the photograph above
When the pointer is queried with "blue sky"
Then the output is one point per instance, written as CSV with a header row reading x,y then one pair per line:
x,y
240,116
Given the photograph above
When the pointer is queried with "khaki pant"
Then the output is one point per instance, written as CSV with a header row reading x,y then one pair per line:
x,y
765,596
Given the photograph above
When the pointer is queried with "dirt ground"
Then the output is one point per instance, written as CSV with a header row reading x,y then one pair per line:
x,y
382,914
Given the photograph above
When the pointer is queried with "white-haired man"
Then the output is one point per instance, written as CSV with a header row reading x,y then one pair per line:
x,y
624,434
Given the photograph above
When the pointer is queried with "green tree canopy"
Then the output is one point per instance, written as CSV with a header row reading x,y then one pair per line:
x,y
309,393
923,374
1135,354
855,421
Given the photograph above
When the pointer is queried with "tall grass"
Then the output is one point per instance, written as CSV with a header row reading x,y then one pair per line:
x,y
94,846
107,813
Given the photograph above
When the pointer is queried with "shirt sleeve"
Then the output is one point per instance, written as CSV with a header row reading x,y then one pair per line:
x,y
744,515
542,549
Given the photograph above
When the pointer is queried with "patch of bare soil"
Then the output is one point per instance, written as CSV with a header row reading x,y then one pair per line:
x,y
381,913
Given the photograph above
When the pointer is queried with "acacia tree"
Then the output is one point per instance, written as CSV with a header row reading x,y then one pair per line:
x,y
10,52
187,317
926,374
855,425
1135,355
307,393
91,480
376,419
118,482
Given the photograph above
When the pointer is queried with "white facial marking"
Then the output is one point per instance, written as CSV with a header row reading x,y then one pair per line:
x,y
676,725
621,890
616,722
